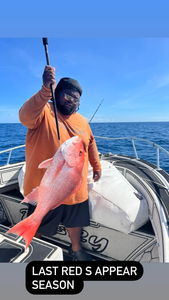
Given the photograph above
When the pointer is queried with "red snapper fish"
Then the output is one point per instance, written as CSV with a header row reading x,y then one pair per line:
x,y
62,178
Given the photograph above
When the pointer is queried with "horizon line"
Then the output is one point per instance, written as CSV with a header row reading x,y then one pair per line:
x,y
102,122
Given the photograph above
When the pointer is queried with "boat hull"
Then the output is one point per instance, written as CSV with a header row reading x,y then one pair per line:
x,y
150,243
102,242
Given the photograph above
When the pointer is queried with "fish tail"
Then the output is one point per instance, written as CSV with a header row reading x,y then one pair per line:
x,y
26,228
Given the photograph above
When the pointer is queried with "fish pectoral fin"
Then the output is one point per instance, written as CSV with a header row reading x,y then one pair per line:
x,y
46,164
32,197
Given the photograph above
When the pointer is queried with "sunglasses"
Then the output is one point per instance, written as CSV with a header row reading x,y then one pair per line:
x,y
68,97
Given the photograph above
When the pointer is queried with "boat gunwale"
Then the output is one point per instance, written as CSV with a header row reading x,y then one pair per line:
x,y
158,147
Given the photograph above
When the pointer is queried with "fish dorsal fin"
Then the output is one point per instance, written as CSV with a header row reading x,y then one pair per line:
x,y
32,198
46,164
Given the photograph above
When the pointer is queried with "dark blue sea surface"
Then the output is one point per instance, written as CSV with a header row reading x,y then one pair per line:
x,y
12,135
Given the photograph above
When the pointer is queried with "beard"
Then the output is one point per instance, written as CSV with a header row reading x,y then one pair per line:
x,y
67,109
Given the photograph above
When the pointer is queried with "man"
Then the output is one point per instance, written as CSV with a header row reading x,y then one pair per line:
x,y
42,143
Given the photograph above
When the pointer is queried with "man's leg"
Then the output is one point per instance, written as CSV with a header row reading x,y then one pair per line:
x,y
76,249
74,234
38,235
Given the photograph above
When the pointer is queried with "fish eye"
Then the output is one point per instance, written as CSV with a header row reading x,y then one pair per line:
x,y
80,152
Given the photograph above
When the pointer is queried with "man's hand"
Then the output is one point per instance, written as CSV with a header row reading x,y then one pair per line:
x,y
96,175
49,76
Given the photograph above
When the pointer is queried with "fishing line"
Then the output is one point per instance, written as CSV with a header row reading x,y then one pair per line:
x,y
96,111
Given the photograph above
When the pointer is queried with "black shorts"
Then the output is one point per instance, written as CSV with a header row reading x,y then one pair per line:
x,y
70,216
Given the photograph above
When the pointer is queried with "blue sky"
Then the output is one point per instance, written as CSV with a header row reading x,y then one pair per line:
x,y
118,52
130,74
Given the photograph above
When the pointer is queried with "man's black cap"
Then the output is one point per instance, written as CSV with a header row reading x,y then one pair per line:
x,y
68,83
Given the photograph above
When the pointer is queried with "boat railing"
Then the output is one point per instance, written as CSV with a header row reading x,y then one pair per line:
x,y
10,152
134,146
113,139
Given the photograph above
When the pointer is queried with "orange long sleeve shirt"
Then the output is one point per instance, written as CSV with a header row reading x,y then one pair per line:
x,y
42,141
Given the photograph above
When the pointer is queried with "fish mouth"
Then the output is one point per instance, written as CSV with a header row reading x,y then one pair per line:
x,y
77,139
74,140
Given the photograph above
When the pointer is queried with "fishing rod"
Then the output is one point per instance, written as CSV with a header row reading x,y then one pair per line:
x,y
45,43
96,110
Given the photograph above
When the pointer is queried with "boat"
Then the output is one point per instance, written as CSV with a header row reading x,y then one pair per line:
x,y
119,229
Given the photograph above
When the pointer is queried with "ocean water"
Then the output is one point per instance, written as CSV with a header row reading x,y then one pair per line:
x,y
12,135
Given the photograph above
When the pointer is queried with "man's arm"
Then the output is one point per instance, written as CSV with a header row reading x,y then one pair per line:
x,y
94,158
32,111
